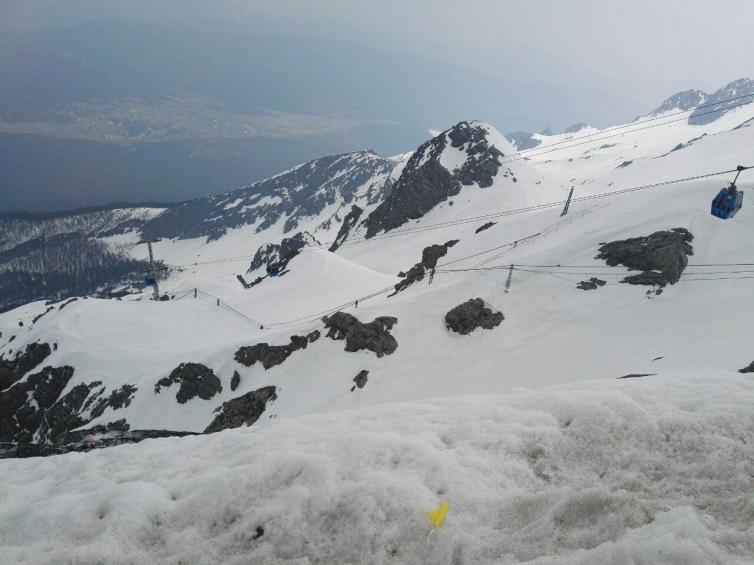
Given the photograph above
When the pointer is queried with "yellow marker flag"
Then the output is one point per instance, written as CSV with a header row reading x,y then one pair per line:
x,y
437,516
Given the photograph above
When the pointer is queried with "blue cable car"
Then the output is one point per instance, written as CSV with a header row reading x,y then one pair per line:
x,y
729,200
273,270
150,281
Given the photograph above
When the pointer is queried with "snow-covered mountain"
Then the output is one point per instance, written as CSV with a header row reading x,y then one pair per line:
x,y
439,332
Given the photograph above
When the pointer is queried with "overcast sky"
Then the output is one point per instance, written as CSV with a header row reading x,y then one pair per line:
x,y
644,49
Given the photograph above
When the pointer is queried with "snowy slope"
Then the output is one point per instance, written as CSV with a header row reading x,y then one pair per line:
x,y
635,471
393,439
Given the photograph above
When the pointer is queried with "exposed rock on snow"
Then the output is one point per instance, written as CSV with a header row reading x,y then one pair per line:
x,y
425,182
374,336
292,196
272,355
118,399
470,315
280,254
12,371
360,380
483,227
195,380
748,369
662,256
23,407
235,380
349,222
242,411
430,256
591,284
96,437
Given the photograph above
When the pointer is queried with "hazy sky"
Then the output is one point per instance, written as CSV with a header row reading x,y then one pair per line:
x,y
642,49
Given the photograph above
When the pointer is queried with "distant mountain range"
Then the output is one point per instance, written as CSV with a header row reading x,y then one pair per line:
x,y
111,111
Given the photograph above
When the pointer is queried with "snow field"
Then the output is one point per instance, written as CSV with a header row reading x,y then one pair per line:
x,y
652,470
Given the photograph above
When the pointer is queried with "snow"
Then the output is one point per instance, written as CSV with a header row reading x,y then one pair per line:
x,y
650,470
579,467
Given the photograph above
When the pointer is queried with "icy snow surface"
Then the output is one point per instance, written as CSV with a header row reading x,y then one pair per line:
x,y
652,470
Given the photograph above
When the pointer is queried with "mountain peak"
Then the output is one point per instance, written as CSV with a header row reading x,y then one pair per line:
x,y
681,101
722,101
468,153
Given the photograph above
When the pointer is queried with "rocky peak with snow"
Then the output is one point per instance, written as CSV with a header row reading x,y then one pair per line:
x,y
469,153
305,191
681,101
724,100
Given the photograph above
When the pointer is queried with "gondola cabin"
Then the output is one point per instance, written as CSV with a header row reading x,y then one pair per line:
x,y
273,270
727,202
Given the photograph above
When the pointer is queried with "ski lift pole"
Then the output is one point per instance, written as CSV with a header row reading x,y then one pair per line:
x,y
568,203
152,271
510,278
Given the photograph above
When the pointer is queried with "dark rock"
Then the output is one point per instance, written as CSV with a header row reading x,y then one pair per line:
x,y
662,256
12,371
235,380
349,222
430,256
425,183
749,369
591,284
272,355
244,410
483,227
97,437
280,254
195,380
118,399
23,406
361,379
470,315
374,336
637,375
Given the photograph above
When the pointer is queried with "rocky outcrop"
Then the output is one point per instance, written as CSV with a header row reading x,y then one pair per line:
x,y
271,355
23,406
470,315
360,380
591,284
374,336
280,254
242,411
661,256
235,381
195,380
13,370
483,227
96,437
348,224
747,369
119,398
430,256
425,182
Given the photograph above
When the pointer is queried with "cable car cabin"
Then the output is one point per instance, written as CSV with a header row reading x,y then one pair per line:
x,y
727,202
150,282
273,270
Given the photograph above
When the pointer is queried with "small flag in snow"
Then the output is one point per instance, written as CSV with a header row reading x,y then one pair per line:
x,y
437,516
